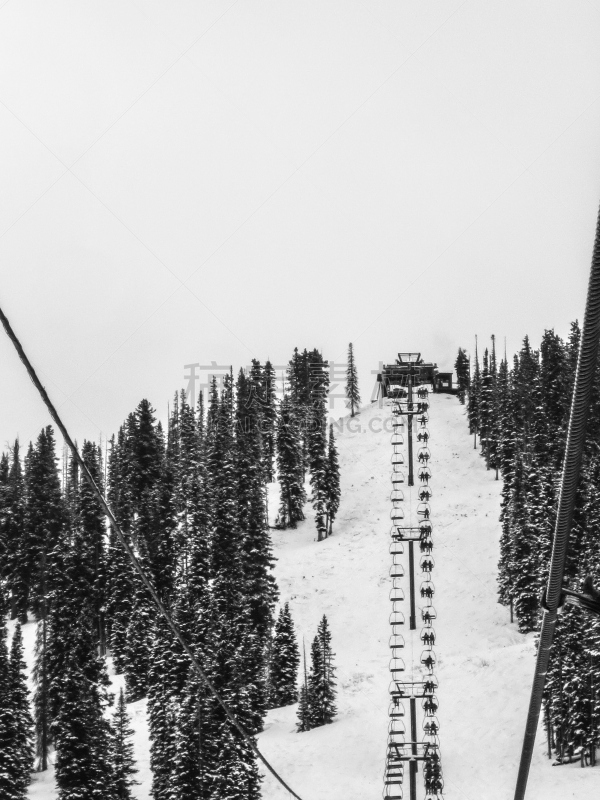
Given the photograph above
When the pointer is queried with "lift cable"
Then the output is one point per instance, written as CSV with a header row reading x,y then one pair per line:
x,y
553,597
132,557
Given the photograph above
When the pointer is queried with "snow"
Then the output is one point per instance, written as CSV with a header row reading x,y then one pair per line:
x,y
484,668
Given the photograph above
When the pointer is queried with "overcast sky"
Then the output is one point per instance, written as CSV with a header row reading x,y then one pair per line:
x,y
188,182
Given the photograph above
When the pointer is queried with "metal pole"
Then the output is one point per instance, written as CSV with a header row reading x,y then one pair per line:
x,y
413,736
411,576
584,379
409,408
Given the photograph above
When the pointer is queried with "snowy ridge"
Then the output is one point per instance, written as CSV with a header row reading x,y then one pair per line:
x,y
484,665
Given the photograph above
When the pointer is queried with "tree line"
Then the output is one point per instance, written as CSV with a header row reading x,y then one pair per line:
x,y
191,501
520,413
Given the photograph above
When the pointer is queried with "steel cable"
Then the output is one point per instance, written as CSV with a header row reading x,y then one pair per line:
x,y
584,379
132,557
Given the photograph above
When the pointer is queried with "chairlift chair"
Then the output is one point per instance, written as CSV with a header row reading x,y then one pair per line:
x,y
397,478
397,439
424,474
428,615
425,545
396,643
424,510
397,515
430,684
431,726
425,493
428,637
428,660
396,547
397,460
422,435
396,709
427,590
426,563
396,621
423,455
396,569
423,419
397,496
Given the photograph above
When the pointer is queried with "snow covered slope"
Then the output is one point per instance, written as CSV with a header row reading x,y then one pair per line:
x,y
484,665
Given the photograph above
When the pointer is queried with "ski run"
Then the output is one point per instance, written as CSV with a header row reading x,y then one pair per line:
x,y
484,665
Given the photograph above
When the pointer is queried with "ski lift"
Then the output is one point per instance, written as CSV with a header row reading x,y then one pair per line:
x,y
423,455
430,705
393,790
426,563
425,528
397,582
397,569
396,410
397,667
397,496
425,545
396,643
397,460
428,614
397,515
397,478
397,439
423,435
396,726
430,684
422,407
425,494
396,594
423,419
396,709
422,393
427,590
396,548
428,660
424,474
396,731
424,510
396,621
431,726
428,637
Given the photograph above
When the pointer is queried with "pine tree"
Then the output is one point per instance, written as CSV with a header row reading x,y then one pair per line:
x,y
333,492
352,392
317,440
122,751
10,761
321,680
269,409
44,518
285,660
82,739
486,409
461,367
290,470
304,700
22,721
474,397
13,532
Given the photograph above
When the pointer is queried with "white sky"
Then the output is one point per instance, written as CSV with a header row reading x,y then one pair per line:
x,y
195,181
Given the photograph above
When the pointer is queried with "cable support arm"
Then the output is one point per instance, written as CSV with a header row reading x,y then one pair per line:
x,y
132,557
